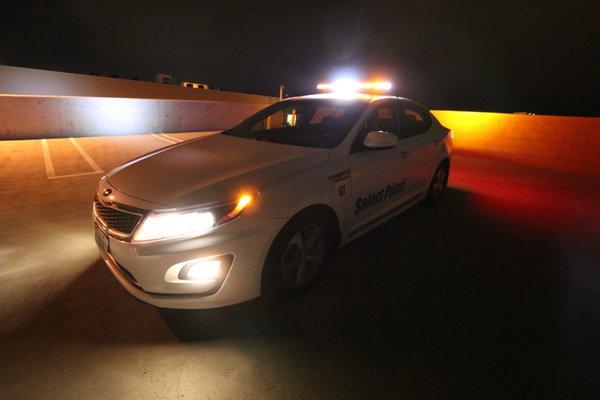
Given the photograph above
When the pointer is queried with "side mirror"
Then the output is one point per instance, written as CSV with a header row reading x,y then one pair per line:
x,y
380,140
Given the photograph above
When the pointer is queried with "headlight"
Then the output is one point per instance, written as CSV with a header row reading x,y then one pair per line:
x,y
170,224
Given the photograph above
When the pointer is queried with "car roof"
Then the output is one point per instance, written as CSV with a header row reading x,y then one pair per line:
x,y
355,97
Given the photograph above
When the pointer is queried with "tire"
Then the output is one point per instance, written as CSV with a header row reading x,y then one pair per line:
x,y
299,254
438,184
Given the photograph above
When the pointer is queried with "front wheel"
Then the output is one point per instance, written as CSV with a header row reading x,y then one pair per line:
x,y
438,184
298,255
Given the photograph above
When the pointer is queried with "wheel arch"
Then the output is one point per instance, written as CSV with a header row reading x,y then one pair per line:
x,y
326,212
444,161
322,209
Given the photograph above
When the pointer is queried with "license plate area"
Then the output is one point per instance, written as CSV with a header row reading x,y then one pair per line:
x,y
101,240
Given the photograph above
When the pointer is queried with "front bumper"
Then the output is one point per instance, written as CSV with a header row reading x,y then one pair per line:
x,y
141,267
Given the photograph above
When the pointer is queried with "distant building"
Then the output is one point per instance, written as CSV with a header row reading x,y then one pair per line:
x,y
194,85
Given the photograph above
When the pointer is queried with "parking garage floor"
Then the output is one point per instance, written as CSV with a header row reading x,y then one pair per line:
x,y
494,293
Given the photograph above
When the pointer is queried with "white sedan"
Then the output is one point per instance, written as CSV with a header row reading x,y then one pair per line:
x,y
260,208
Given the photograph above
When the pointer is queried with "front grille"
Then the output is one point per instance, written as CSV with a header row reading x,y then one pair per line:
x,y
116,220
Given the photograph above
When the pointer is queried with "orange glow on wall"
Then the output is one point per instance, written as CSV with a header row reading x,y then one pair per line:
x,y
570,144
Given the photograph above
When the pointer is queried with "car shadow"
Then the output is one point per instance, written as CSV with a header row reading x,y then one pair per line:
x,y
455,287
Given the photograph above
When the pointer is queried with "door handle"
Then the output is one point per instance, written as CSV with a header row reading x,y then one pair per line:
x,y
404,153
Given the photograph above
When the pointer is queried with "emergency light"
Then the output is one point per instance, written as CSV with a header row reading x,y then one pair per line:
x,y
350,86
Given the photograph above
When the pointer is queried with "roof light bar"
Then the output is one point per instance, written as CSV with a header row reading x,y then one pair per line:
x,y
348,86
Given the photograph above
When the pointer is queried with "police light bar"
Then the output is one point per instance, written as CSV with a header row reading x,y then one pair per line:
x,y
354,87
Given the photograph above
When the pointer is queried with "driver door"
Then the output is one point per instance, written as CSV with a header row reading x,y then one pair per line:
x,y
378,175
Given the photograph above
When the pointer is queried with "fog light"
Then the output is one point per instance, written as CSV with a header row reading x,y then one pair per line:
x,y
201,274
201,271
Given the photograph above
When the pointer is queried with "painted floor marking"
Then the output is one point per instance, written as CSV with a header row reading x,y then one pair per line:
x,y
171,137
164,139
71,175
87,157
47,160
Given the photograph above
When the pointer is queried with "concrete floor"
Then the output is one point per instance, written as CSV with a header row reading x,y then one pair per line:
x,y
494,293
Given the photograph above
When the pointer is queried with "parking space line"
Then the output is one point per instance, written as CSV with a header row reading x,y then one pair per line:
x,y
47,160
162,138
85,155
71,175
171,137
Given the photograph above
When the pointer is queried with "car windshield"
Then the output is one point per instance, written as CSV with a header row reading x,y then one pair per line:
x,y
312,123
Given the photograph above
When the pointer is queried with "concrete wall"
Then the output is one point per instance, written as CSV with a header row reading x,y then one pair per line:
x,y
45,117
35,82
569,144
36,103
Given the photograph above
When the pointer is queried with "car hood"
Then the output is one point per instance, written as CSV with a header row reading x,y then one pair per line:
x,y
211,169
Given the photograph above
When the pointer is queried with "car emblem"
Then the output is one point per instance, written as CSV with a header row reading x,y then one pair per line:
x,y
107,192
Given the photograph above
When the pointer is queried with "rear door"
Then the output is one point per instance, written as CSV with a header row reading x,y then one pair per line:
x,y
420,146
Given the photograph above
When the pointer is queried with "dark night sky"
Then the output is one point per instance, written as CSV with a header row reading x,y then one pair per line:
x,y
494,56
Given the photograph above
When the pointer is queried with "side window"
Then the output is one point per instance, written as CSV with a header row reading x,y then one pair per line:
x,y
414,120
382,118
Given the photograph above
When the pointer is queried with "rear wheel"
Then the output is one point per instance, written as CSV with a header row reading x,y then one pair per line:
x,y
298,255
438,183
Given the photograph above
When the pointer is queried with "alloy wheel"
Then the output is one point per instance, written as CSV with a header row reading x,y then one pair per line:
x,y
303,256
